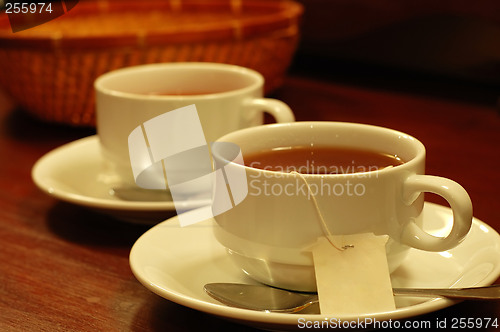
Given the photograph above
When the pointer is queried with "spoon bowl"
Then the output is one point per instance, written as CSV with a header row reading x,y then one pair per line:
x,y
260,298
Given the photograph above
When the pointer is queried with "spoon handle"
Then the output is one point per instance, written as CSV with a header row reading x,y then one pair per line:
x,y
479,293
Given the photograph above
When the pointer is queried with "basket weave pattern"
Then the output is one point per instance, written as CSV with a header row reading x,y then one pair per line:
x,y
55,82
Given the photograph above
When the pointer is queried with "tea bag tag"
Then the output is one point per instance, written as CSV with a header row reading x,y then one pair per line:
x,y
354,280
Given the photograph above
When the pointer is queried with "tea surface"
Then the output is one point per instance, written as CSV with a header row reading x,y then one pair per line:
x,y
320,160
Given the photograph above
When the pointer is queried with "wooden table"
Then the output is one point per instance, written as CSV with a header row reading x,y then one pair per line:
x,y
65,268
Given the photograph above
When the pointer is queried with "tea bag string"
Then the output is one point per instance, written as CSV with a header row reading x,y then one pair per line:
x,y
318,210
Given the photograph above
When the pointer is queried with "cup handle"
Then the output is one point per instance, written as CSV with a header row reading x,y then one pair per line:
x,y
459,202
278,109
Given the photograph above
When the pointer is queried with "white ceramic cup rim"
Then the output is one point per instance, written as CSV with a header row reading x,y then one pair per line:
x,y
105,82
408,164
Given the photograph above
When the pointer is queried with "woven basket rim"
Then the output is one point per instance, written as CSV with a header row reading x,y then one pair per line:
x,y
279,18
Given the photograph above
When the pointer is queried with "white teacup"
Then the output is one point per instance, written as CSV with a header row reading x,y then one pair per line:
x,y
269,232
227,98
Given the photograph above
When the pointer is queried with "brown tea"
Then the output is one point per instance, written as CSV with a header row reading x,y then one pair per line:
x,y
320,160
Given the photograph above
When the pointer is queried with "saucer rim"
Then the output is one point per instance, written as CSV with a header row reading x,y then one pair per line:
x,y
256,318
90,143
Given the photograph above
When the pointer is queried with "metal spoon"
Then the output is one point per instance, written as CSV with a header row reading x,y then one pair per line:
x,y
269,299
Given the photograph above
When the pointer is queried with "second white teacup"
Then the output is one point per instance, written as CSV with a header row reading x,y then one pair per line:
x,y
227,98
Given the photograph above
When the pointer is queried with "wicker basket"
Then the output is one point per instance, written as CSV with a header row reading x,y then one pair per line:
x,y
49,70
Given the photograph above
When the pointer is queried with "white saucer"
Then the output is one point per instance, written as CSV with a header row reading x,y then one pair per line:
x,y
176,262
70,173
